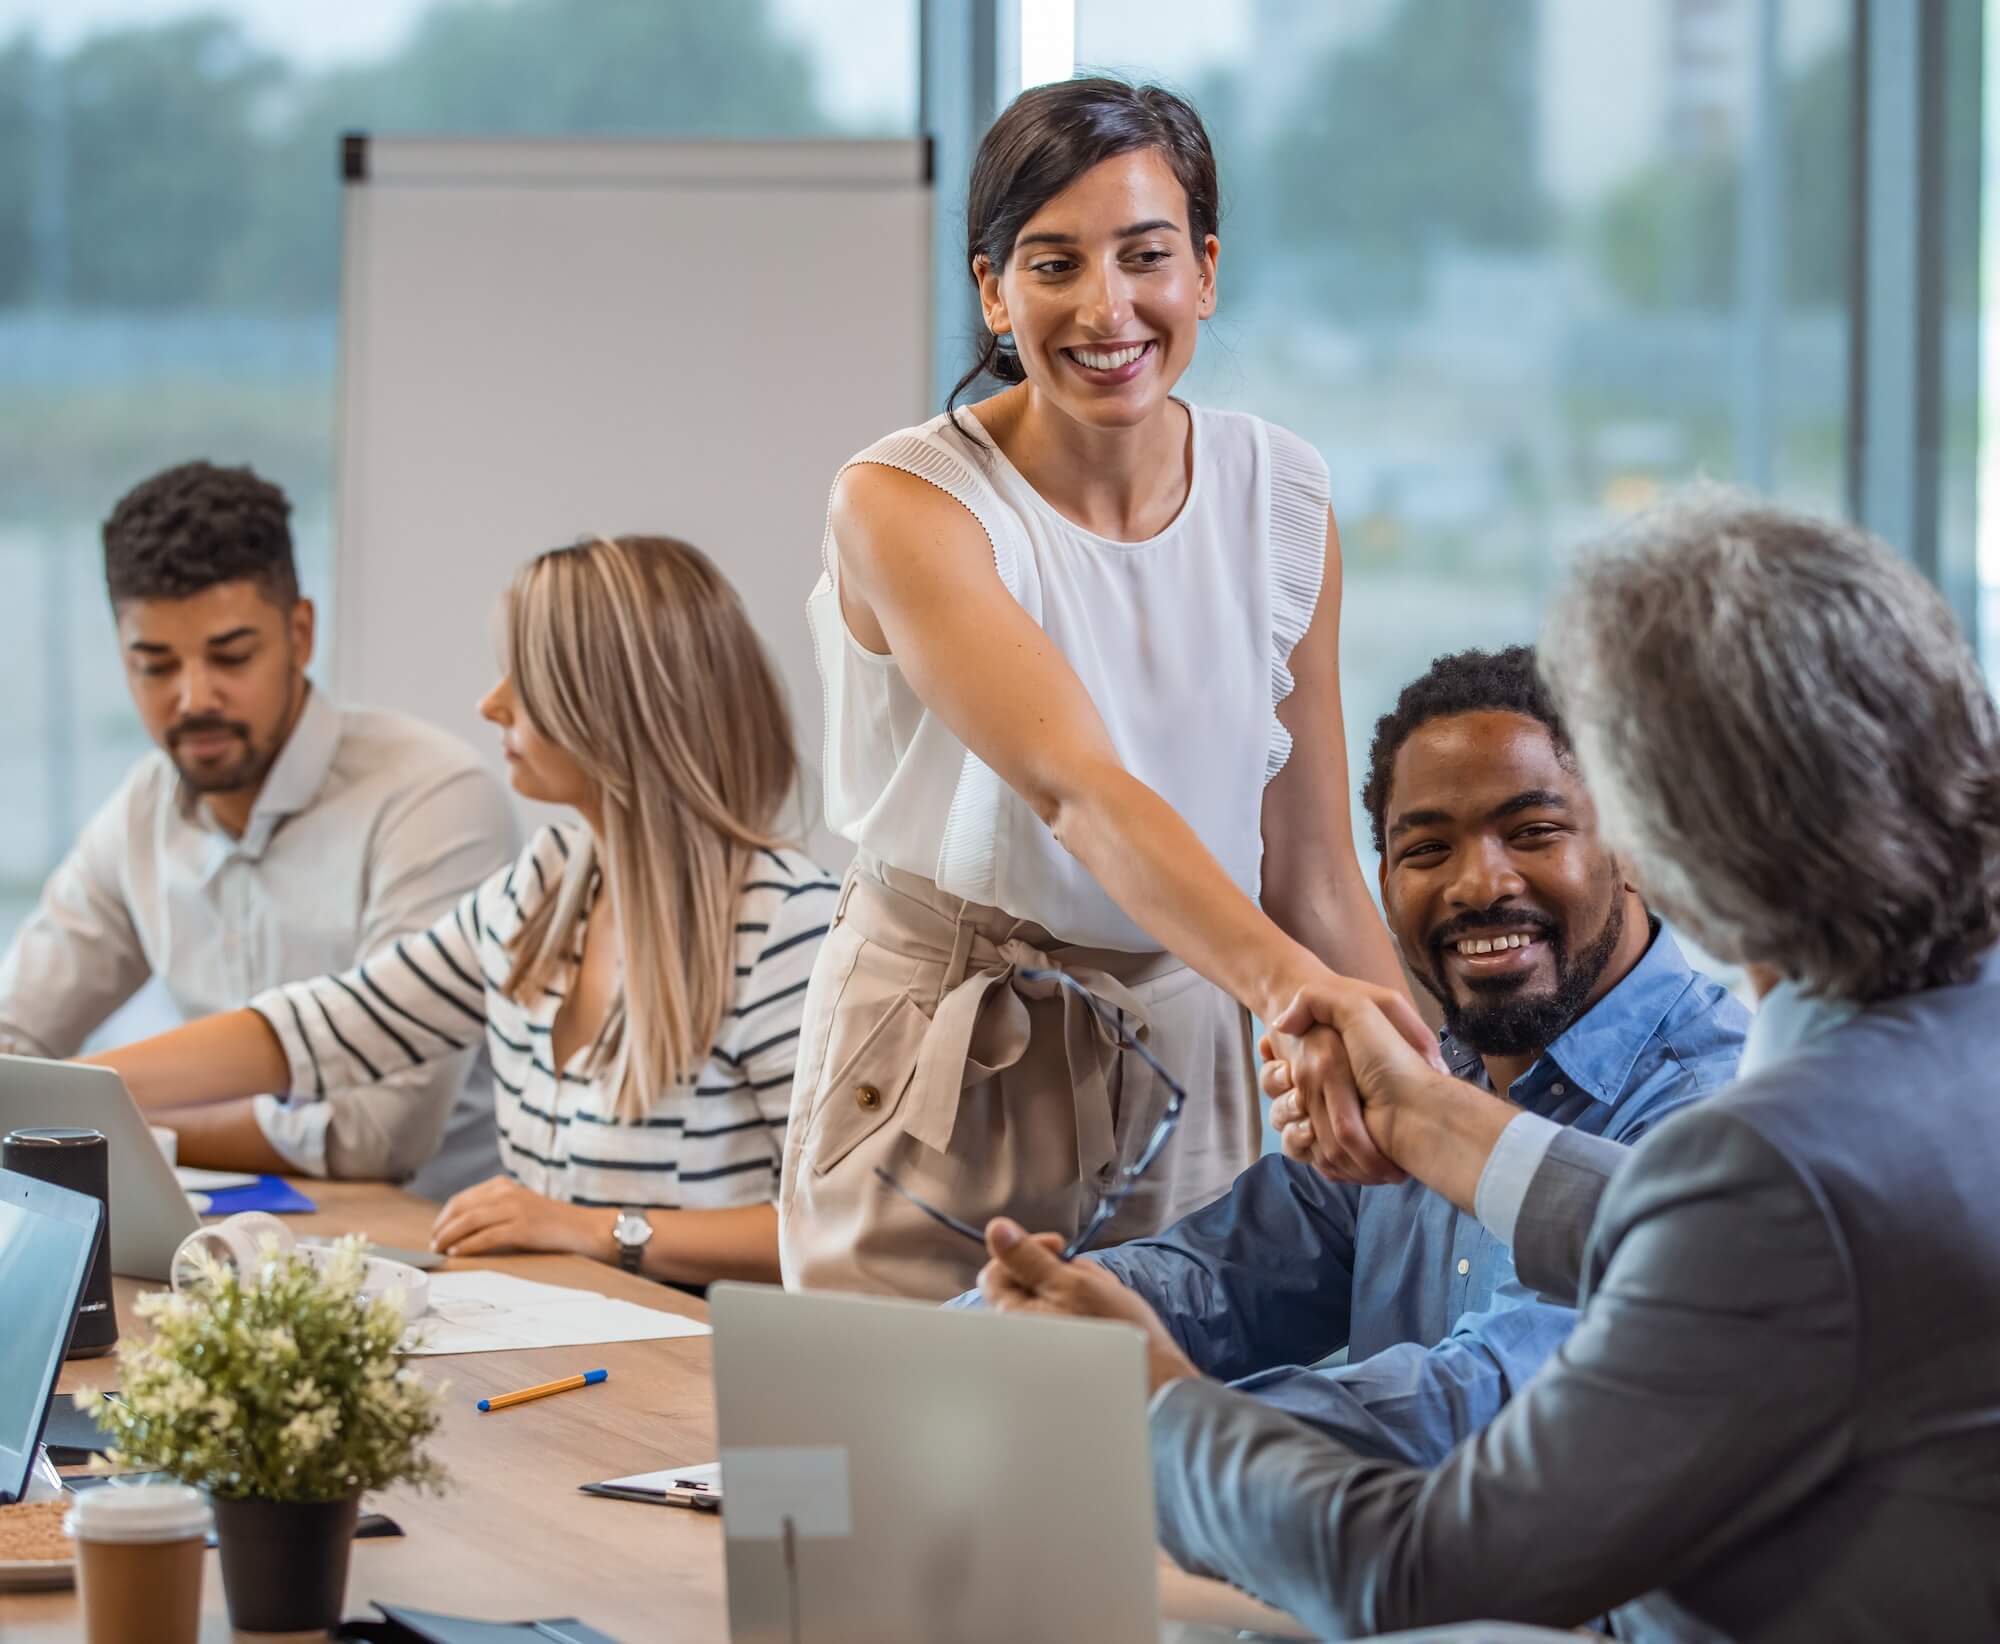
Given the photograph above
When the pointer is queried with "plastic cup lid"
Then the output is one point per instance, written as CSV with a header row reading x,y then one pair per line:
x,y
138,1512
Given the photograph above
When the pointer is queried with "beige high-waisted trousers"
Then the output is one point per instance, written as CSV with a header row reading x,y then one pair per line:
x,y
925,1052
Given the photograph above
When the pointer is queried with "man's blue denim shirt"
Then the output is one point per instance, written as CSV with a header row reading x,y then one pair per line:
x,y
1287,1267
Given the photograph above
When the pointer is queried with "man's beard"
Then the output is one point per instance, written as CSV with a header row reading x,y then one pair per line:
x,y
1501,1022
247,769
239,773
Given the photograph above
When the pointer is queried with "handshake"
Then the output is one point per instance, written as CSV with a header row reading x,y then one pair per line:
x,y
1362,1095
1348,1064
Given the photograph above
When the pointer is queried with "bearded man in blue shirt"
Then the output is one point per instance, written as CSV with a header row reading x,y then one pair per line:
x,y
1559,992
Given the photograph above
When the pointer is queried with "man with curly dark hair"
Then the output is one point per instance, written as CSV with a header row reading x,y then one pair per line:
x,y
274,835
1559,993
198,560
1509,980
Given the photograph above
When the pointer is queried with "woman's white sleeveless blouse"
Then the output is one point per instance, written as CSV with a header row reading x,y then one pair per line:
x,y
1182,642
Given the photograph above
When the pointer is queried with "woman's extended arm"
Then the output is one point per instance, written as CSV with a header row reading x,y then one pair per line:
x,y
687,1246
917,569
418,999
212,1059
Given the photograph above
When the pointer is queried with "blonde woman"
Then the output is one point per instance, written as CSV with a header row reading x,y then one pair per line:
x,y
639,1126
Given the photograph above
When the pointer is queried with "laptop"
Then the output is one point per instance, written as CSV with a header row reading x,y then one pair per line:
x,y
150,1215
48,1237
894,1471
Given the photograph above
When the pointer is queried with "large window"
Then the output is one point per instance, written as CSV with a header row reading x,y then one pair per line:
x,y
169,262
1515,270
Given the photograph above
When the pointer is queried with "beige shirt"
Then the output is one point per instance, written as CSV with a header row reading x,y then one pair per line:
x,y
370,826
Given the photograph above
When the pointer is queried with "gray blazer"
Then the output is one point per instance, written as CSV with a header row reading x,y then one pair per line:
x,y
1778,1417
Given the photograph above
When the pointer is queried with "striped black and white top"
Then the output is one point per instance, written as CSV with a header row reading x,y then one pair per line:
x,y
711,1144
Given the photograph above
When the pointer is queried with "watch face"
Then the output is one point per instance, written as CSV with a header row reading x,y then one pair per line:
x,y
631,1228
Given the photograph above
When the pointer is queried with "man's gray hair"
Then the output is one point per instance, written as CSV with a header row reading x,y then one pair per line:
x,y
1789,740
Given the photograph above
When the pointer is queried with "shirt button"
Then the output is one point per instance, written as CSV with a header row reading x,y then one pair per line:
x,y
1464,1267
1556,1089
868,1097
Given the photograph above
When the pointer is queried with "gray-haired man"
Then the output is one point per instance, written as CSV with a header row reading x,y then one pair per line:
x,y
1778,1417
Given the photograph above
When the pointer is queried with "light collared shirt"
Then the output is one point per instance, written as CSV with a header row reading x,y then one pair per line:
x,y
368,827
1287,1267
1787,1017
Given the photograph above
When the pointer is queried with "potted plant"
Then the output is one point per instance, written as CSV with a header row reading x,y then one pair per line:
x,y
282,1393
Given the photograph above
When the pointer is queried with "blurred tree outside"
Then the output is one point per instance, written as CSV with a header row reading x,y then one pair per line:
x,y
169,277
199,169
169,210
1667,237
1419,136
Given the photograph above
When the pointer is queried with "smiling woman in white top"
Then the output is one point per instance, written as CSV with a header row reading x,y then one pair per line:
x,y
642,1126
1079,645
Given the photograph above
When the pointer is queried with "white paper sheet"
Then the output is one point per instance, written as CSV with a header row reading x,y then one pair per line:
x,y
482,1312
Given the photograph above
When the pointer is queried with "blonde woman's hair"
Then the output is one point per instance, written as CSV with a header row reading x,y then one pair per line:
x,y
634,656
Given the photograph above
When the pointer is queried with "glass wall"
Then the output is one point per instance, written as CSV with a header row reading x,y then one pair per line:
x,y
169,262
1515,270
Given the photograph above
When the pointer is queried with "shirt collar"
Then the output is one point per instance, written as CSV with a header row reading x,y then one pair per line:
x,y
294,779
1787,1018
1596,1052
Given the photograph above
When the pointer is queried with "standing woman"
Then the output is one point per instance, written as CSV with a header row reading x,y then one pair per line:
x,y
1079,649
636,976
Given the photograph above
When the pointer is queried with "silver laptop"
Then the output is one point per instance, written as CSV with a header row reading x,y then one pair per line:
x,y
149,1213
891,1471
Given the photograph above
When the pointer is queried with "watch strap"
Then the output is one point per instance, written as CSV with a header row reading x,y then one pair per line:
x,y
630,1252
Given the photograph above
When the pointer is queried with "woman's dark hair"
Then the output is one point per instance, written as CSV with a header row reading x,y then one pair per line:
x,y
1047,138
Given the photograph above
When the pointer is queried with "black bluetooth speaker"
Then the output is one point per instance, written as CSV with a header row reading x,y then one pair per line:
x,y
79,1160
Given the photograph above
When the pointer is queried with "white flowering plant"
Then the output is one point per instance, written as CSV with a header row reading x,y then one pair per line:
x,y
288,1388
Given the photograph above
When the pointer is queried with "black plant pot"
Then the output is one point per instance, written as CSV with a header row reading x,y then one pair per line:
x,y
284,1563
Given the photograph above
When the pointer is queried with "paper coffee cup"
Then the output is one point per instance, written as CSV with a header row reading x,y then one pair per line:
x,y
169,1140
139,1557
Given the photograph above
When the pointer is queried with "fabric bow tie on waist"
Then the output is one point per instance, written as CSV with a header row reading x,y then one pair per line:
x,y
983,1025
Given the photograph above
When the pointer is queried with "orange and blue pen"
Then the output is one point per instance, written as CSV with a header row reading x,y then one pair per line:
x,y
500,1401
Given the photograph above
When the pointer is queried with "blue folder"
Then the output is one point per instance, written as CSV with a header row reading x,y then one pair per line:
x,y
272,1193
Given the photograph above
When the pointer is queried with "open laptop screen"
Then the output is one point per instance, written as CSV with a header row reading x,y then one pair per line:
x,y
47,1238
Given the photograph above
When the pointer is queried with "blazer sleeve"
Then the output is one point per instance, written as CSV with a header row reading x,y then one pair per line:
x,y
1553,1229
1638,1454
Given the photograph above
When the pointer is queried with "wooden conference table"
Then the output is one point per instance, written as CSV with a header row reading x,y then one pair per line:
x,y
512,1537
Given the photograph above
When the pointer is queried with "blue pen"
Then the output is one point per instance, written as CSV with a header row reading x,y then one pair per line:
x,y
590,1378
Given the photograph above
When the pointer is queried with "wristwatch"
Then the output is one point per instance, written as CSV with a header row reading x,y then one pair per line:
x,y
630,1233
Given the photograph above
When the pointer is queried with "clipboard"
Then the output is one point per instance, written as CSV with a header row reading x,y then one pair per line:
x,y
403,1625
698,1487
